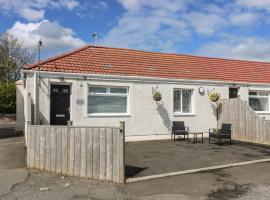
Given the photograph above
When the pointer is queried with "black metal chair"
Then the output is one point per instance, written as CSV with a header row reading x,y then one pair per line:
x,y
179,128
224,133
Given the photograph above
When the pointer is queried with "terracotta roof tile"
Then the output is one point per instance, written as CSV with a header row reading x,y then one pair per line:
x,y
127,62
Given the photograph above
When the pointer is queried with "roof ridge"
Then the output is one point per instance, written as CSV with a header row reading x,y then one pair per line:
x,y
30,66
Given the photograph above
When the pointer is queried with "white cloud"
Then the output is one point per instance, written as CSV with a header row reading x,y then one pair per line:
x,y
255,4
205,23
32,14
148,25
251,48
55,37
242,19
170,5
35,9
69,4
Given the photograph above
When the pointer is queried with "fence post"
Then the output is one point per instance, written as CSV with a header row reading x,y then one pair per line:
x,y
28,120
122,152
122,127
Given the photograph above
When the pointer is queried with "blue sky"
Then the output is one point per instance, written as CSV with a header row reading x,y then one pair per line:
x,y
219,28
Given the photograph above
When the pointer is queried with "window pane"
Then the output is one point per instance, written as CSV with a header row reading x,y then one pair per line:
x,y
97,89
107,104
259,104
65,90
118,90
265,94
177,100
187,107
253,93
55,89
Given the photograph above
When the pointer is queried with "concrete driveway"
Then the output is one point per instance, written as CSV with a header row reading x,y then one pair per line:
x,y
12,164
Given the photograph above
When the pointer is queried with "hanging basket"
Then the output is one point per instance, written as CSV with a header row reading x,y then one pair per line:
x,y
157,96
214,96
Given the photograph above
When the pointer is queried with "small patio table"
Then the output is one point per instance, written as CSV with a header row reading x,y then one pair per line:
x,y
195,136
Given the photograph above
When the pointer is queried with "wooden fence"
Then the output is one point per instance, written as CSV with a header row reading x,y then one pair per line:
x,y
91,152
247,125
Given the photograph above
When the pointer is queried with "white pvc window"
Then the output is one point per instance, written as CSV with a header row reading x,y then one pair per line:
x,y
107,100
259,101
183,101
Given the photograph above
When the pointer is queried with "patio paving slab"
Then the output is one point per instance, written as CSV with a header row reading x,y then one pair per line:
x,y
158,157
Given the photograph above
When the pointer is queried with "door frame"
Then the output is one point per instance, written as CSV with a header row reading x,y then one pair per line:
x,y
70,98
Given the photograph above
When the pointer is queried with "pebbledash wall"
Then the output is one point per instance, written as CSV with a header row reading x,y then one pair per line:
x,y
146,119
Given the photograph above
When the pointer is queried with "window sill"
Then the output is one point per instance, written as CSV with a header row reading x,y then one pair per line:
x,y
184,114
262,112
108,115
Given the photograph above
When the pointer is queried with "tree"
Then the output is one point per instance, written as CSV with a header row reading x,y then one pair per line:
x,y
7,98
13,56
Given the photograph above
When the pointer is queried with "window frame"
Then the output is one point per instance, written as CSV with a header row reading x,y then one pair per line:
x,y
257,96
181,113
127,113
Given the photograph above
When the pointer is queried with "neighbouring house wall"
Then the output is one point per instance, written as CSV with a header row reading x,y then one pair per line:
x,y
20,91
243,93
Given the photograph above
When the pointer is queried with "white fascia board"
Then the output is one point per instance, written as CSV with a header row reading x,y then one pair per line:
x,y
99,77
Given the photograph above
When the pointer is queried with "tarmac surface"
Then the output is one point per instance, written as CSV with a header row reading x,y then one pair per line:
x,y
158,157
17,182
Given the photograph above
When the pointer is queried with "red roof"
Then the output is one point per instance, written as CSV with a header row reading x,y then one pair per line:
x,y
127,62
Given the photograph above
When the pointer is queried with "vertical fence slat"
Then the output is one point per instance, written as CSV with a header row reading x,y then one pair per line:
x,y
71,152
28,147
121,143
96,153
109,154
58,149
48,149
64,150
77,160
102,154
83,153
32,146
37,142
42,147
115,156
89,161
53,149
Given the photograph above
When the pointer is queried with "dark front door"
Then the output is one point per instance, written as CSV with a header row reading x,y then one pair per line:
x,y
233,92
60,104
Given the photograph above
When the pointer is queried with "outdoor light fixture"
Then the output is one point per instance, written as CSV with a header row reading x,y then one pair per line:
x,y
201,90
61,78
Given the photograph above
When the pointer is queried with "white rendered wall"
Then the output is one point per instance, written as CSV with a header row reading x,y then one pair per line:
x,y
20,92
146,117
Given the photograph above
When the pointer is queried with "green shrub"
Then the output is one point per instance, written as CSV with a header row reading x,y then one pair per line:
x,y
7,98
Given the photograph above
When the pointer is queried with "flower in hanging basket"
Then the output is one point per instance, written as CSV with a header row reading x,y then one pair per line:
x,y
214,96
157,96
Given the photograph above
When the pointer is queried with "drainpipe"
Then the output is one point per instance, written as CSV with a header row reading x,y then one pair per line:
x,y
36,98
